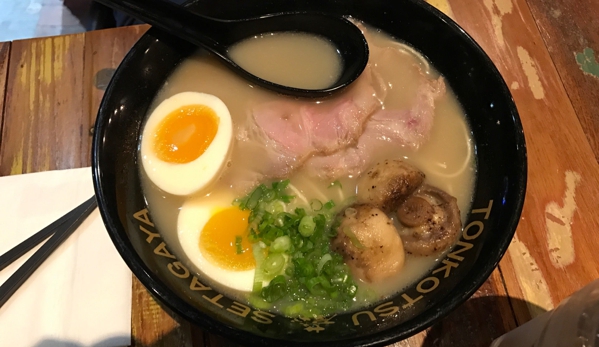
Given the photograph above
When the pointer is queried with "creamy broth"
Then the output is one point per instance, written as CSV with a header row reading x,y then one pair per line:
x,y
292,59
447,158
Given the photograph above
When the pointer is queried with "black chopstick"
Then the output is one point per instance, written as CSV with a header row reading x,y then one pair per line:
x,y
63,230
25,246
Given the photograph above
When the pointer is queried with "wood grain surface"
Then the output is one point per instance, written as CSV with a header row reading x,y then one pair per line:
x,y
570,30
43,127
4,55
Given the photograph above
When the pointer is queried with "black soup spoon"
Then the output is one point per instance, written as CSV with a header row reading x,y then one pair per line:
x,y
218,36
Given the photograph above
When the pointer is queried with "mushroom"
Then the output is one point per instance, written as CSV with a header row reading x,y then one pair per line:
x,y
369,243
430,219
388,183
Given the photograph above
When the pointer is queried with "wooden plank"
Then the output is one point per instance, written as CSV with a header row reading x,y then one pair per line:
x,y
553,253
4,60
152,326
569,29
43,128
104,51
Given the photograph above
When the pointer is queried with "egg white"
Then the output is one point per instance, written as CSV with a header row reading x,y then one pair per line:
x,y
187,178
193,216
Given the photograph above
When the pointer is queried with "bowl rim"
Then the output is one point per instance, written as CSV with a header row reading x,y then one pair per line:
x,y
173,302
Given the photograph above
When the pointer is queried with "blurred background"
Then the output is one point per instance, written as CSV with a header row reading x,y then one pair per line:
x,y
23,19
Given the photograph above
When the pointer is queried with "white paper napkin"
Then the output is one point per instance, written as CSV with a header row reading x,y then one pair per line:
x,y
81,295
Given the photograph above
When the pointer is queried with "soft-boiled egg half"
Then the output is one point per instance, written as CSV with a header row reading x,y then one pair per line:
x,y
214,235
185,142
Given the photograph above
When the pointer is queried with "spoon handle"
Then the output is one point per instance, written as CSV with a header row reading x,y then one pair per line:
x,y
174,19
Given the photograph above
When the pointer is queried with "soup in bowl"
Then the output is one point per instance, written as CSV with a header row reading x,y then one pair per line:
x,y
360,218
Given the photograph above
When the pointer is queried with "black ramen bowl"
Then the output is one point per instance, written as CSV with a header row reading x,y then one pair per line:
x,y
497,202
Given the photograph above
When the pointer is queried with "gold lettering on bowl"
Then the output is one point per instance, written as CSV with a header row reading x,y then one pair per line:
x,y
383,310
178,270
143,216
486,210
239,309
421,289
469,237
314,324
369,314
163,252
409,300
262,317
447,268
464,247
197,285
214,300
150,234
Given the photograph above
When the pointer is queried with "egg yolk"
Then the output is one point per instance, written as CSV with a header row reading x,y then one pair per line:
x,y
224,240
184,134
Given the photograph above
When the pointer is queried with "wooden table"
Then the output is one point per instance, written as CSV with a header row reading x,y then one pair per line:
x,y
50,89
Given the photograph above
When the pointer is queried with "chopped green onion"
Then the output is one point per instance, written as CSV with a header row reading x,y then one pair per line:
x,y
353,238
269,195
296,270
238,245
274,263
258,252
316,205
329,205
306,226
325,258
311,283
336,280
276,207
350,212
303,268
280,186
300,212
324,282
254,198
276,289
280,244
